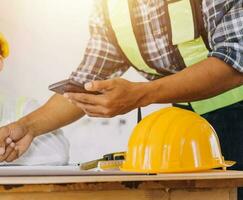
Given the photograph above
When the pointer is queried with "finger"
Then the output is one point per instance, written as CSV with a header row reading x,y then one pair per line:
x,y
97,110
95,115
4,134
12,145
2,150
9,140
9,150
22,145
13,156
99,86
93,111
86,98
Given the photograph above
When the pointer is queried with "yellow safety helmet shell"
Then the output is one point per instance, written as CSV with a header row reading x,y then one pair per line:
x,y
173,140
4,47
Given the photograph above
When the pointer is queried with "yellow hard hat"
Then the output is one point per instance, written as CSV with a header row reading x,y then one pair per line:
x,y
4,47
173,140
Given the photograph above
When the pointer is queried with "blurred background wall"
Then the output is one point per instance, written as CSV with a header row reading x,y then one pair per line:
x,y
47,39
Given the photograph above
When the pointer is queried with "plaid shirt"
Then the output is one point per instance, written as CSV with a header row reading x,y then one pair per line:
x,y
102,59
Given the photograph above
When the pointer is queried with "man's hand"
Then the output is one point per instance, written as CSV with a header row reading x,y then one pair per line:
x,y
16,138
118,96
14,142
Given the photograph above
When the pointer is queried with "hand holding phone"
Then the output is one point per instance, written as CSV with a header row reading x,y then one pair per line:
x,y
69,86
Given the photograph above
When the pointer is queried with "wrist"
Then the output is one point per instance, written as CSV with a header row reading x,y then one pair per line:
x,y
27,128
147,93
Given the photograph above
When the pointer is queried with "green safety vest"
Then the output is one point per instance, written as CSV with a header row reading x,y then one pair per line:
x,y
187,35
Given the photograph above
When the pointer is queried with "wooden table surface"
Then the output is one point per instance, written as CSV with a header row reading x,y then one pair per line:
x,y
212,175
206,185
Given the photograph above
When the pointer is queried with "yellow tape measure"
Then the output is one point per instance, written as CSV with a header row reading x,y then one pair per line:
x,y
110,165
109,161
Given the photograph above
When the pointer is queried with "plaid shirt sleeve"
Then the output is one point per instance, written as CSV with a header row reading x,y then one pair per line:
x,y
224,21
101,59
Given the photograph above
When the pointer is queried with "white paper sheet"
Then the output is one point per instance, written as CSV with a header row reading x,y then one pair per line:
x,y
53,171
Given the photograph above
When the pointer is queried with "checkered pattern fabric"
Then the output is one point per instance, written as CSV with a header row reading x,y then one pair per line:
x,y
102,59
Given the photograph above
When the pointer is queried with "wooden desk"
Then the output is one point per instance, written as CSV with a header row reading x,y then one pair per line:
x,y
199,186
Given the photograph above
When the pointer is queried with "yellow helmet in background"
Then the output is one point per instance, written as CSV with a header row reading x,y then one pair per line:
x,y
4,47
173,140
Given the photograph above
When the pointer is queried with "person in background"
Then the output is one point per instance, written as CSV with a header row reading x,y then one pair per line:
x,y
50,149
4,50
1,63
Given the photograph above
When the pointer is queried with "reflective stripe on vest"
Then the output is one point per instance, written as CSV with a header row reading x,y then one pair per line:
x,y
182,28
123,29
192,49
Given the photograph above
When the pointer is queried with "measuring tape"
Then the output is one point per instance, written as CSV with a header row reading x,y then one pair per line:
x,y
110,165
108,162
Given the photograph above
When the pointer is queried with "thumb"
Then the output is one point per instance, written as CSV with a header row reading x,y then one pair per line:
x,y
98,86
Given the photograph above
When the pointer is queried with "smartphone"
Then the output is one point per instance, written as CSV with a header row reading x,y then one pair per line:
x,y
69,86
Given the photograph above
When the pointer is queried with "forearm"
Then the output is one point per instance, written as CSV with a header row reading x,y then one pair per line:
x,y
201,81
56,113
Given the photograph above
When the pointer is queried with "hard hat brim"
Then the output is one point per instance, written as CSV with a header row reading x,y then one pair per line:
x,y
224,165
229,163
